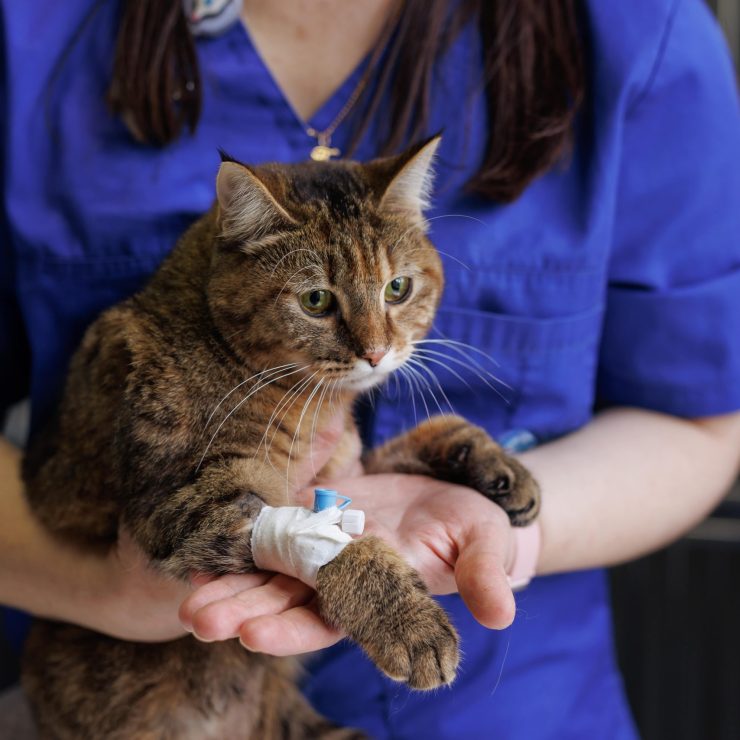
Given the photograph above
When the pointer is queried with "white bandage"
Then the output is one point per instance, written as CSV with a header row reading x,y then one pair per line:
x,y
297,541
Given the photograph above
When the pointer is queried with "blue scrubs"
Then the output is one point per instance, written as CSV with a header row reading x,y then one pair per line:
x,y
614,279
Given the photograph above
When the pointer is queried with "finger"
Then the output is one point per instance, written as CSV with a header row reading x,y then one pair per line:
x,y
220,620
481,579
219,588
298,630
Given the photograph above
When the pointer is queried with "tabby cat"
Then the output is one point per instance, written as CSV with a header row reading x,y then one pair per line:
x,y
301,278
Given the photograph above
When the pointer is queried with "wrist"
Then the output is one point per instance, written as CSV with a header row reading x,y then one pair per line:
x,y
525,544
85,591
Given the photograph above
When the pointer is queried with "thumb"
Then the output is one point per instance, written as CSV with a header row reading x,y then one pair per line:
x,y
481,577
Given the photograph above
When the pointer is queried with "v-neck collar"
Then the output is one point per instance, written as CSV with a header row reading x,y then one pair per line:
x,y
328,111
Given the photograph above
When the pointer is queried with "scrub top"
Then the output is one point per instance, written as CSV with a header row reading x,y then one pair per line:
x,y
614,279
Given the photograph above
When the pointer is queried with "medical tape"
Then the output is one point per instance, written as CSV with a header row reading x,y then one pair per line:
x,y
297,541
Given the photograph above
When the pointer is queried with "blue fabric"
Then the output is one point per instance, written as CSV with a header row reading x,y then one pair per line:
x,y
550,675
615,278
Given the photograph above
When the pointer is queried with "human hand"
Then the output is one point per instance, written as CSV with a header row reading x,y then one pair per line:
x,y
456,539
127,598
120,593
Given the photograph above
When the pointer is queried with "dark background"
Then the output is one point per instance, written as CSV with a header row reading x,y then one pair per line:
x,y
677,619
677,613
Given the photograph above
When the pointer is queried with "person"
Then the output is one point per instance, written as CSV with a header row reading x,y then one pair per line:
x,y
604,278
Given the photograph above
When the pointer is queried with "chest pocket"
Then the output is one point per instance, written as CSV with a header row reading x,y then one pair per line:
x,y
522,309
59,301
500,372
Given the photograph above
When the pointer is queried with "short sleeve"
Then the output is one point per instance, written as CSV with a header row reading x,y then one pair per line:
x,y
671,336
14,350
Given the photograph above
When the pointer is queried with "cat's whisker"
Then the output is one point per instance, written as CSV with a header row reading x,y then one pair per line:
x,y
270,420
453,343
300,287
458,215
236,387
330,400
262,384
389,390
480,373
313,425
459,347
430,373
296,436
268,447
240,330
435,218
312,252
418,378
284,405
422,355
308,284
309,280
259,387
334,393
455,259
405,375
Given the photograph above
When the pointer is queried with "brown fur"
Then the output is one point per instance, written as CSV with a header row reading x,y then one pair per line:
x,y
137,443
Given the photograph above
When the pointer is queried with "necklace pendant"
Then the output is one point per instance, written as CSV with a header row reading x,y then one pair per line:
x,y
322,153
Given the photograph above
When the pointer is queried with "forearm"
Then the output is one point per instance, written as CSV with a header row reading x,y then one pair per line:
x,y
629,482
115,592
38,573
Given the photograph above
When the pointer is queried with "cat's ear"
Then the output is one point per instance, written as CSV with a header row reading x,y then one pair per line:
x,y
409,180
248,210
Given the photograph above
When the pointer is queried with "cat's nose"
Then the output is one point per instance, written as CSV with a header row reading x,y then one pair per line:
x,y
374,356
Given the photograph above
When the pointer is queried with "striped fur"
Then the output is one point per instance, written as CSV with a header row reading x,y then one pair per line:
x,y
187,408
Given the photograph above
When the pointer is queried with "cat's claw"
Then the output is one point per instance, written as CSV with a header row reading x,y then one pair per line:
x,y
423,652
379,601
481,464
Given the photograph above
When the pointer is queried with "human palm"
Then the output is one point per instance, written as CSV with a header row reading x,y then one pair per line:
x,y
458,541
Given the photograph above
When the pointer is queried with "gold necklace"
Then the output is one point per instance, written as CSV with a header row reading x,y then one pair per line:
x,y
323,149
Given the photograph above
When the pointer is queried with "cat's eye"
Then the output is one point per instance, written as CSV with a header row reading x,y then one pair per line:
x,y
317,302
397,289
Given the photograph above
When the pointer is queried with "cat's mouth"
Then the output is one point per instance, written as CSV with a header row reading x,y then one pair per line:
x,y
364,376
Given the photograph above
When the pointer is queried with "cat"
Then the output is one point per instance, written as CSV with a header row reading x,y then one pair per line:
x,y
300,277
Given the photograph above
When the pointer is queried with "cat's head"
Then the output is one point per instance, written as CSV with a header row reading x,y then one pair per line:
x,y
326,265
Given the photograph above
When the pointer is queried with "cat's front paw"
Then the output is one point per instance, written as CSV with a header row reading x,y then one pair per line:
x,y
477,461
421,649
372,594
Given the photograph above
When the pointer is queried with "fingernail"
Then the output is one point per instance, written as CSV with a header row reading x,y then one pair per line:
x,y
246,647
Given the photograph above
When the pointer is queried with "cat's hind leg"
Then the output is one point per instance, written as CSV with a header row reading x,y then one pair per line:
x,y
86,686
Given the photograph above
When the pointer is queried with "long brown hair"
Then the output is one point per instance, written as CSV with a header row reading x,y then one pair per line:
x,y
533,67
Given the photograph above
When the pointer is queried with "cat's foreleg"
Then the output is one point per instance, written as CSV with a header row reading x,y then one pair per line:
x,y
452,449
367,590
205,526
373,595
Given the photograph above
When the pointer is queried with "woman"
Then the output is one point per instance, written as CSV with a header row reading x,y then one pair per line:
x,y
594,256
